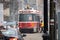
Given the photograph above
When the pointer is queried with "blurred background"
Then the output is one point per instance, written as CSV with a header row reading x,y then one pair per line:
x,y
9,12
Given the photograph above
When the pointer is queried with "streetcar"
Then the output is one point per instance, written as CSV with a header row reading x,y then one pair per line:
x,y
29,20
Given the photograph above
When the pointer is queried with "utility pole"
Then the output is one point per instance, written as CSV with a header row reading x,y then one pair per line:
x,y
45,16
45,35
52,20
37,4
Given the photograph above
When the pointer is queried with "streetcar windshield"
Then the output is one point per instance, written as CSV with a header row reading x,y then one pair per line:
x,y
28,17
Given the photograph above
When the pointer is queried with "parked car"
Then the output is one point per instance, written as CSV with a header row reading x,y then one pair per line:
x,y
11,34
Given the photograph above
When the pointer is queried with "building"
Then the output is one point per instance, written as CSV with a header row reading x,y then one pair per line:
x,y
5,9
13,10
11,7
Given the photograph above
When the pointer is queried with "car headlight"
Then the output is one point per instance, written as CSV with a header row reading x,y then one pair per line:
x,y
13,39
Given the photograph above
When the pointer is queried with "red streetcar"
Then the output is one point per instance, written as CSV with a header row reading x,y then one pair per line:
x,y
29,19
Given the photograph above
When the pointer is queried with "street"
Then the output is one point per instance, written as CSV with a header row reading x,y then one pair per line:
x,y
33,36
20,16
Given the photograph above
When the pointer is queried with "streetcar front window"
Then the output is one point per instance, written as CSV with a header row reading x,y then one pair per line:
x,y
23,17
28,17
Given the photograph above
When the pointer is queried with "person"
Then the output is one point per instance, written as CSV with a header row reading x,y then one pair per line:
x,y
42,26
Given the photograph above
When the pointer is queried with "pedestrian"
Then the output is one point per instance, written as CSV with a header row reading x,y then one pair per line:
x,y
41,26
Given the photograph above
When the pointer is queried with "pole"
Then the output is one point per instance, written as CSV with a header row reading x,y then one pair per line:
x,y
52,21
45,16
45,35
37,4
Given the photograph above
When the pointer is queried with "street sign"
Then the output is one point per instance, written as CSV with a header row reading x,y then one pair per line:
x,y
29,11
51,21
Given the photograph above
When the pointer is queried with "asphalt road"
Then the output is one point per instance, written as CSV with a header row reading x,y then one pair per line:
x,y
33,36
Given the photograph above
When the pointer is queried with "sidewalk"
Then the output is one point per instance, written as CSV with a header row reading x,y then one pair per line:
x,y
34,36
